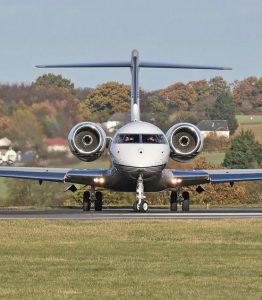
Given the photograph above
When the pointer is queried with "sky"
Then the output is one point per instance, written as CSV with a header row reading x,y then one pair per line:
x,y
211,32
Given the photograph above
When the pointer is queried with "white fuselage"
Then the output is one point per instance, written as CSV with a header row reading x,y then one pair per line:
x,y
139,145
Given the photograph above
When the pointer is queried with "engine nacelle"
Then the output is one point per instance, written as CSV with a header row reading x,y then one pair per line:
x,y
87,141
185,140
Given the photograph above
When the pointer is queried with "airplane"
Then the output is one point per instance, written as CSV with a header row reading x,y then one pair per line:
x,y
139,153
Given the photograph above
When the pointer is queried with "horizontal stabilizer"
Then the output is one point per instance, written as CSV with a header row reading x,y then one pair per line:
x,y
142,64
146,64
89,65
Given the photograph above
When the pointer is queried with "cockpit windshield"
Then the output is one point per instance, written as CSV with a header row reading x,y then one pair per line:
x,y
153,139
140,139
127,138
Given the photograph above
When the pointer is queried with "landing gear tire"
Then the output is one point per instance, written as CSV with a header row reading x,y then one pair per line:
x,y
86,201
136,206
173,201
143,206
99,201
185,203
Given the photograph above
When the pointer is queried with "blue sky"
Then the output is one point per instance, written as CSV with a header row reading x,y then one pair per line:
x,y
226,33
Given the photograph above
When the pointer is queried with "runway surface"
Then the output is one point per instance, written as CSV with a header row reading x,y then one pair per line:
x,y
128,214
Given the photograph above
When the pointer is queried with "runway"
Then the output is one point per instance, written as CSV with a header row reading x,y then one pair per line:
x,y
128,214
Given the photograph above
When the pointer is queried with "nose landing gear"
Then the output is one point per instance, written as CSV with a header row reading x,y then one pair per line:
x,y
179,197
140,205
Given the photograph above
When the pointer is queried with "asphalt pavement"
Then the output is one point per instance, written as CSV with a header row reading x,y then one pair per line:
x,y
129,214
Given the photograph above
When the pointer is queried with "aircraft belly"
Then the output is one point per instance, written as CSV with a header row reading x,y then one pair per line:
x,y
126,181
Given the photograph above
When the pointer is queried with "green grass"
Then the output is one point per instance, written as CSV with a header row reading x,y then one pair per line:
x,y
3,188
219,259
249,119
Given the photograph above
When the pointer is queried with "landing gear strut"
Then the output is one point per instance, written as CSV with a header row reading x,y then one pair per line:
x,y
140,204
92,196
178,197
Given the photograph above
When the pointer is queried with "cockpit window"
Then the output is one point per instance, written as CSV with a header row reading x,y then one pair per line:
x,y
153,139
140,138
127,138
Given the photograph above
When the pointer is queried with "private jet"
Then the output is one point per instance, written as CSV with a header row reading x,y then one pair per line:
x,y
139,152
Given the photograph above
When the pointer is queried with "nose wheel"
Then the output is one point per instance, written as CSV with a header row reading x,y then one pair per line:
x,y
140,205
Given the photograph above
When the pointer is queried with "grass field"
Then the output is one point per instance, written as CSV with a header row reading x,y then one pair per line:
x,y
247,119
219,259
3,188
253,123
256,128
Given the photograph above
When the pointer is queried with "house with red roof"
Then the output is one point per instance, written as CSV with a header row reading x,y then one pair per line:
x,y
56,145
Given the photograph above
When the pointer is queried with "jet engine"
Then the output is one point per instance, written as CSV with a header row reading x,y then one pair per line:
x,y
185,141
87,141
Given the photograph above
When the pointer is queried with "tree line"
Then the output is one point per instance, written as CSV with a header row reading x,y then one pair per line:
x,y
51,105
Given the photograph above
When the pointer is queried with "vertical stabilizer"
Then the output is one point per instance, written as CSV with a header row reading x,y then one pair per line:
x,y
135,107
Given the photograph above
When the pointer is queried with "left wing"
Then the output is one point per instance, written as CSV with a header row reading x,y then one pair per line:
x,y
82,176
194,177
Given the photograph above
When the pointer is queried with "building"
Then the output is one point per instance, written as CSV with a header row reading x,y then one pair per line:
x,y
7,154
56,145
218,128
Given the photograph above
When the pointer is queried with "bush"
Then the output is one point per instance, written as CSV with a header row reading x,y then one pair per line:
x,y
27,192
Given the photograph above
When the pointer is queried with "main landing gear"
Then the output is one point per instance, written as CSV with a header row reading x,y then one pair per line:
x,y
93,196
140,205
178,197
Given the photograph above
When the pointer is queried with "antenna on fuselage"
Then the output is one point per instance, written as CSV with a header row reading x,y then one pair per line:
x,y
134,65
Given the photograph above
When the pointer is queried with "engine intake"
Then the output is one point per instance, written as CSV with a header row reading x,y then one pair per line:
x,y
87,141
185,141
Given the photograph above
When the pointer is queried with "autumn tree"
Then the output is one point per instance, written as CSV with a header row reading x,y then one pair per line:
x,y
107,99
25,131
179,96
245,152
53,81
201,88
248,94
